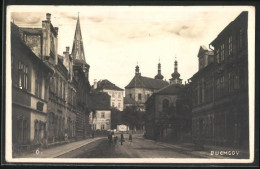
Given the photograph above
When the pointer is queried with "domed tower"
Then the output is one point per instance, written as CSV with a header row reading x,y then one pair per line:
x,y
175,75
159,75
137,73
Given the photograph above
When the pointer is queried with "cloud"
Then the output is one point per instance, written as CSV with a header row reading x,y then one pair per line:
x,y
68,16
27,18
95,19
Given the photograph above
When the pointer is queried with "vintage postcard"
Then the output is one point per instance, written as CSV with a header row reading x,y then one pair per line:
x,y
130,84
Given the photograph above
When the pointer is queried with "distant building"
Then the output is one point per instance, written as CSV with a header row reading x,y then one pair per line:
x,y
220,109
140,88
116,93
128,102
168,113
100,116
175,75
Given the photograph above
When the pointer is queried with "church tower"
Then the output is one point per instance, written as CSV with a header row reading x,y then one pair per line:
x,y
159,75
78,48
77,52
175,75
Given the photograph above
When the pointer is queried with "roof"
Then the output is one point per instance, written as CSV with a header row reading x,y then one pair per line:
x,y
99,101
16,41
171,89
128,100
158,76
32,30
145,82
242,16
106,84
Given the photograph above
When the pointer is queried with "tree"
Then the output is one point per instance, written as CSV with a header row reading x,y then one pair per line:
x,y
133,117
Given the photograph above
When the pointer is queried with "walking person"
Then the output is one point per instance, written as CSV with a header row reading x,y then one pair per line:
x,y
110,139
122,138
130,136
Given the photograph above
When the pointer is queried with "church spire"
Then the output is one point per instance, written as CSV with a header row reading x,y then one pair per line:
x,y
77,48
159,75
175,75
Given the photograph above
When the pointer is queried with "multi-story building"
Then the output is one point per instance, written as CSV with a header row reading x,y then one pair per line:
x,y
81,75
116,93
53,89
140,88
220,109
30,79
100,116
168,111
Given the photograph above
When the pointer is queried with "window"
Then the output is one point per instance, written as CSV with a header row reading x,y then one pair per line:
x,y
56,85
130,95
222,83
38,84
64,94
230,46
113,94
23,76
236,82
217,56
222,52
148,95
22,130
119,105
119,95
139,96
113,104
241,38
102,115
94,126
165,105
102,126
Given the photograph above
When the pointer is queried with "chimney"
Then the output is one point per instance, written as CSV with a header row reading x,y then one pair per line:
x,y
48,17
67,49
95,83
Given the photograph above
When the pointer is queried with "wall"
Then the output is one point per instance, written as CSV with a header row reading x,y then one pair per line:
x,y
116,99
98,120
34,43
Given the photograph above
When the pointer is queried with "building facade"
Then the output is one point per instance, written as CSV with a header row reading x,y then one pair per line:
x,y
53,90
30,80
81,75
168,111
220,89
100,115
140,88
116,93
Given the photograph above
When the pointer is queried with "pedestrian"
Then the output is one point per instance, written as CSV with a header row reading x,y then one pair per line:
x,y
130,136
122,138
110,139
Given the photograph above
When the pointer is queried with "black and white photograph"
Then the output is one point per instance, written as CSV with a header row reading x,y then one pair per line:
x,y
130,84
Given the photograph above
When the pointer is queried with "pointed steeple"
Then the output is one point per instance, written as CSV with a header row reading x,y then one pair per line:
x,y
77,48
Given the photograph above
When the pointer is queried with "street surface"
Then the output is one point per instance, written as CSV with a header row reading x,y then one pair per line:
x,y
138,148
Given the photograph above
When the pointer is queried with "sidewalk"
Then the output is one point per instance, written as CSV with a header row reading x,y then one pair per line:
x,y
59,150
208,152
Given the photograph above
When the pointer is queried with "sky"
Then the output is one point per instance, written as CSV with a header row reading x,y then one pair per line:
x,y
117,38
